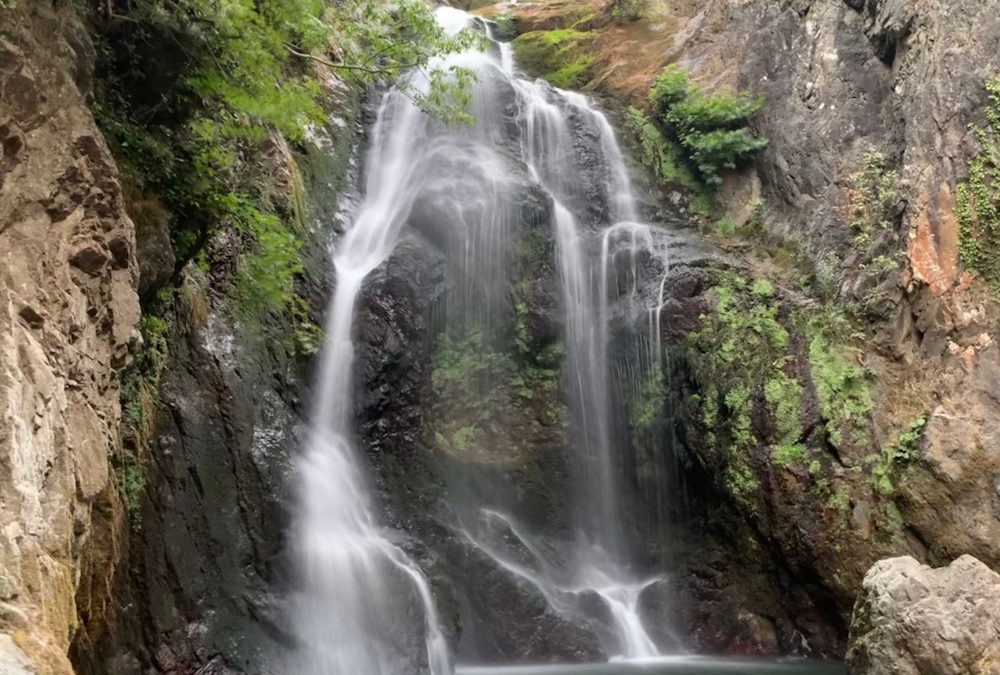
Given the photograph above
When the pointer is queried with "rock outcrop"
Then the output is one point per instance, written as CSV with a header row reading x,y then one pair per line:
x,y
912,619
68,313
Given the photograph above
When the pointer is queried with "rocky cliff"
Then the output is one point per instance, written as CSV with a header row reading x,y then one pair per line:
x,y
67,327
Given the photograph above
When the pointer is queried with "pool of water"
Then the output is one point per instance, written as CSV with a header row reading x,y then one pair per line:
x,y
672,665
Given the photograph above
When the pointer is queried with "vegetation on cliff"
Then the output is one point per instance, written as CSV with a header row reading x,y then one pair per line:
x,y
204,105
712,131
232,77
559,56
979,197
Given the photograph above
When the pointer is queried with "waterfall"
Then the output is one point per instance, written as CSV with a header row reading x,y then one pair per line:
x,y
586,230
362,605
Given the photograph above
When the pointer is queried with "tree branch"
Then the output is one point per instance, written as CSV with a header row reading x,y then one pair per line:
x,y
351,66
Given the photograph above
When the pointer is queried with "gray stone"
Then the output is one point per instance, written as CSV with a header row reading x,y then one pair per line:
x,y
912,619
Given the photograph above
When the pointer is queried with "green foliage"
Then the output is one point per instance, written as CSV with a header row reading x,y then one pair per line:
x,y
979,198
904,449
725,226
874,211
192,93
712,130
559,56
665,158
874,199
139,396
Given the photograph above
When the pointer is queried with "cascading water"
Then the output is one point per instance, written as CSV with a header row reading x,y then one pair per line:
x,y
551,123
362,606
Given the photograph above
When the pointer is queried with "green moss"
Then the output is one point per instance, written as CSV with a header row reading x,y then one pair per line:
x,y
479,386
738,355
783,395
559,56
744,487
842,386
627,11
750,358
885,464
663,156
646,401
839,500
503,26
978,198
763,288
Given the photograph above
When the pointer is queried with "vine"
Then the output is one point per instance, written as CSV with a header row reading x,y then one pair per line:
x,y
978,198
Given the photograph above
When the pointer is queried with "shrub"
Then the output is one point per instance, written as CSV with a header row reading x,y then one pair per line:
x,y
712,130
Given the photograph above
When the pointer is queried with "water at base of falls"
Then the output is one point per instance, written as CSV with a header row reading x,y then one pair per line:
x,y
673,665
361,605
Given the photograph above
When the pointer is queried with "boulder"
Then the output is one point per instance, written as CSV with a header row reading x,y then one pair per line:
x,y
911,618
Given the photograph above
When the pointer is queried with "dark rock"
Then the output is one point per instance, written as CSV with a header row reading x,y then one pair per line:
x,y
90,259
152,240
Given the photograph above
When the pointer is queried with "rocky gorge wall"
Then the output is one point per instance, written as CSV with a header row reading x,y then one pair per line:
x,y
914,373
148,539
67,327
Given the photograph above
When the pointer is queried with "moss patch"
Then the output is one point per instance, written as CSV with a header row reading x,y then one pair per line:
x,y
559,56
757,360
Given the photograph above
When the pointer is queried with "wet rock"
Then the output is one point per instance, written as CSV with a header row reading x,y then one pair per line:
x,y
204,587
912,619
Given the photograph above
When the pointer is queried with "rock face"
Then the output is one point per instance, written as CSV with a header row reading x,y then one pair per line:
x,y
912,619
904,79
68,311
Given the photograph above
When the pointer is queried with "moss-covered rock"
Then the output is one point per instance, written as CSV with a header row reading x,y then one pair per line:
x,y
559,56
